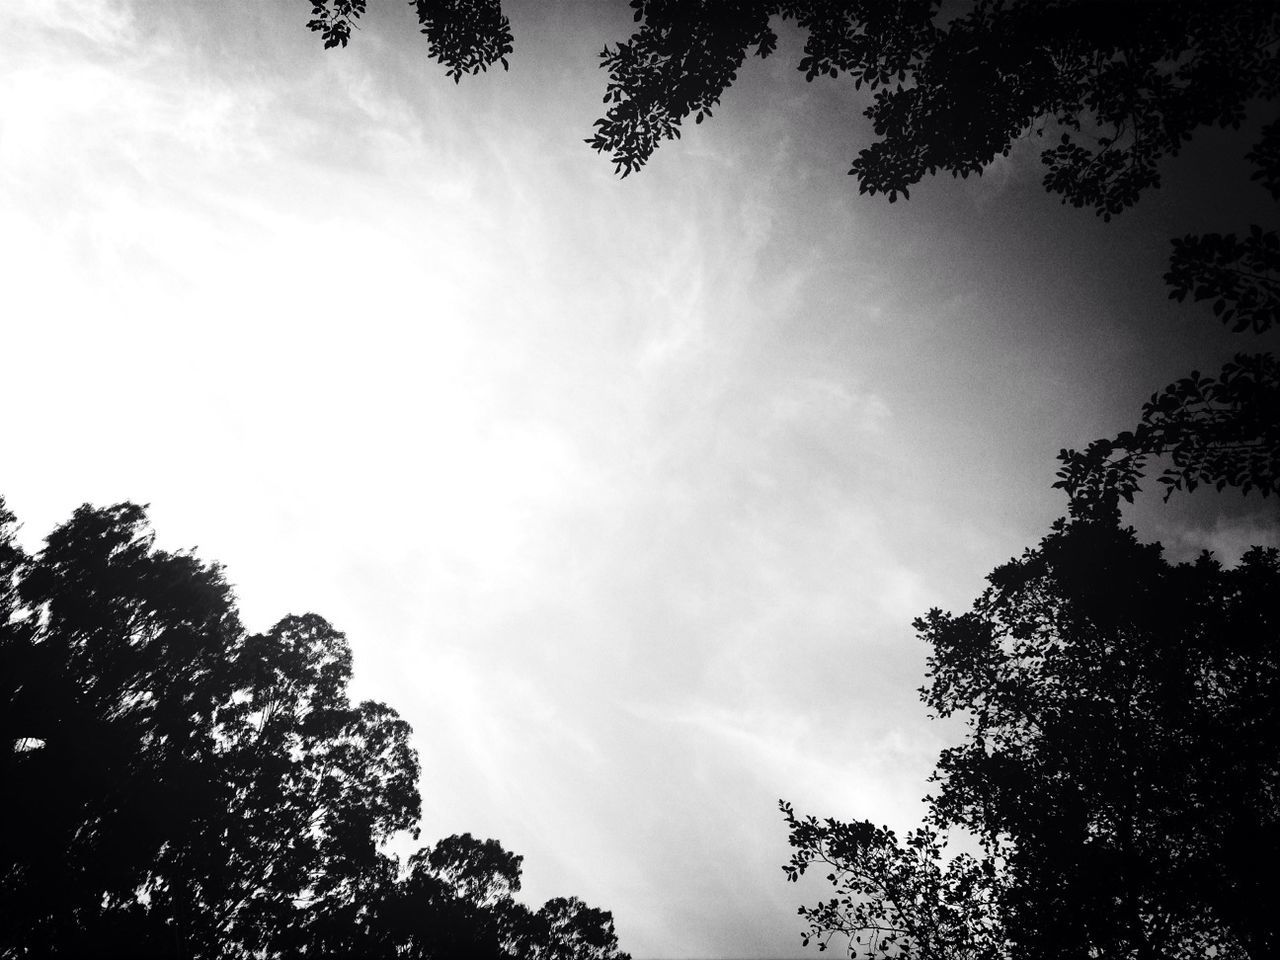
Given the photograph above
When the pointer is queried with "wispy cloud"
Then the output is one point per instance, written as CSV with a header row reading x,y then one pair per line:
x,y
625,492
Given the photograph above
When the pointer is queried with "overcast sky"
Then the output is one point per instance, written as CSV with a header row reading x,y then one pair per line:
x,y
625,492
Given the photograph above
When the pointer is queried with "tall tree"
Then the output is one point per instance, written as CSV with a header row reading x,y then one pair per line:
x,y
174,787
1119,769
312,786
116,667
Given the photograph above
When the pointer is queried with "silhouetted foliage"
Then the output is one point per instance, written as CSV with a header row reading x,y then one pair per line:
x,y
466,36
1121,87
456,901
1119,770
1222,432
565,928
899,898
1241,276
174,787
115,672
333,20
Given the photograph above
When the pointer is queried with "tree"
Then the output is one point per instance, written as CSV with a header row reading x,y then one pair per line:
x,y
176,787
453,900
1123,734
114,672
313,785
1119,769
565,928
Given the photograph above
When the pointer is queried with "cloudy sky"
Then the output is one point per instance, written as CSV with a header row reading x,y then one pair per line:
x,y
625,492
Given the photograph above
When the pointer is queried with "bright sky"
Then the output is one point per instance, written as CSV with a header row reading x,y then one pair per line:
x,y
625,492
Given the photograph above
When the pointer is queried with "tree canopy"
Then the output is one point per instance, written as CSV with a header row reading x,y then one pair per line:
x,y
1119,770
177,787
952,86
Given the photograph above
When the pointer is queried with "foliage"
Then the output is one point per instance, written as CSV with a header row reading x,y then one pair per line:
x,y
334,22
114,676
1121,93
465,36
317,783
1241,276
1120,767
950,92
1222,431
895,898
456,900
565,928
177,787
1124,90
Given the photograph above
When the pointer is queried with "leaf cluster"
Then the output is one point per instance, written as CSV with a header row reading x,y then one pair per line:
x,y
1219,431
1241,275
678,64
894,898
465,36
1122,91
950,93
333,20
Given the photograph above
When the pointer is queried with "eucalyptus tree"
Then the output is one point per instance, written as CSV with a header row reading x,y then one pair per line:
x,y
173,786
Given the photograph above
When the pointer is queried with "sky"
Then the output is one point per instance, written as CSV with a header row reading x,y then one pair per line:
x,y
625,492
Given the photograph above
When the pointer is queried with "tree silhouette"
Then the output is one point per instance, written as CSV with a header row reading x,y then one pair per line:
x,y
466,36
456,900
114,673
174,787
1119,768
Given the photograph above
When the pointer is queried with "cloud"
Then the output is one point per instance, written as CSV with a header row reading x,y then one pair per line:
x,y
1017,169
101,22
625,492
1227,537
